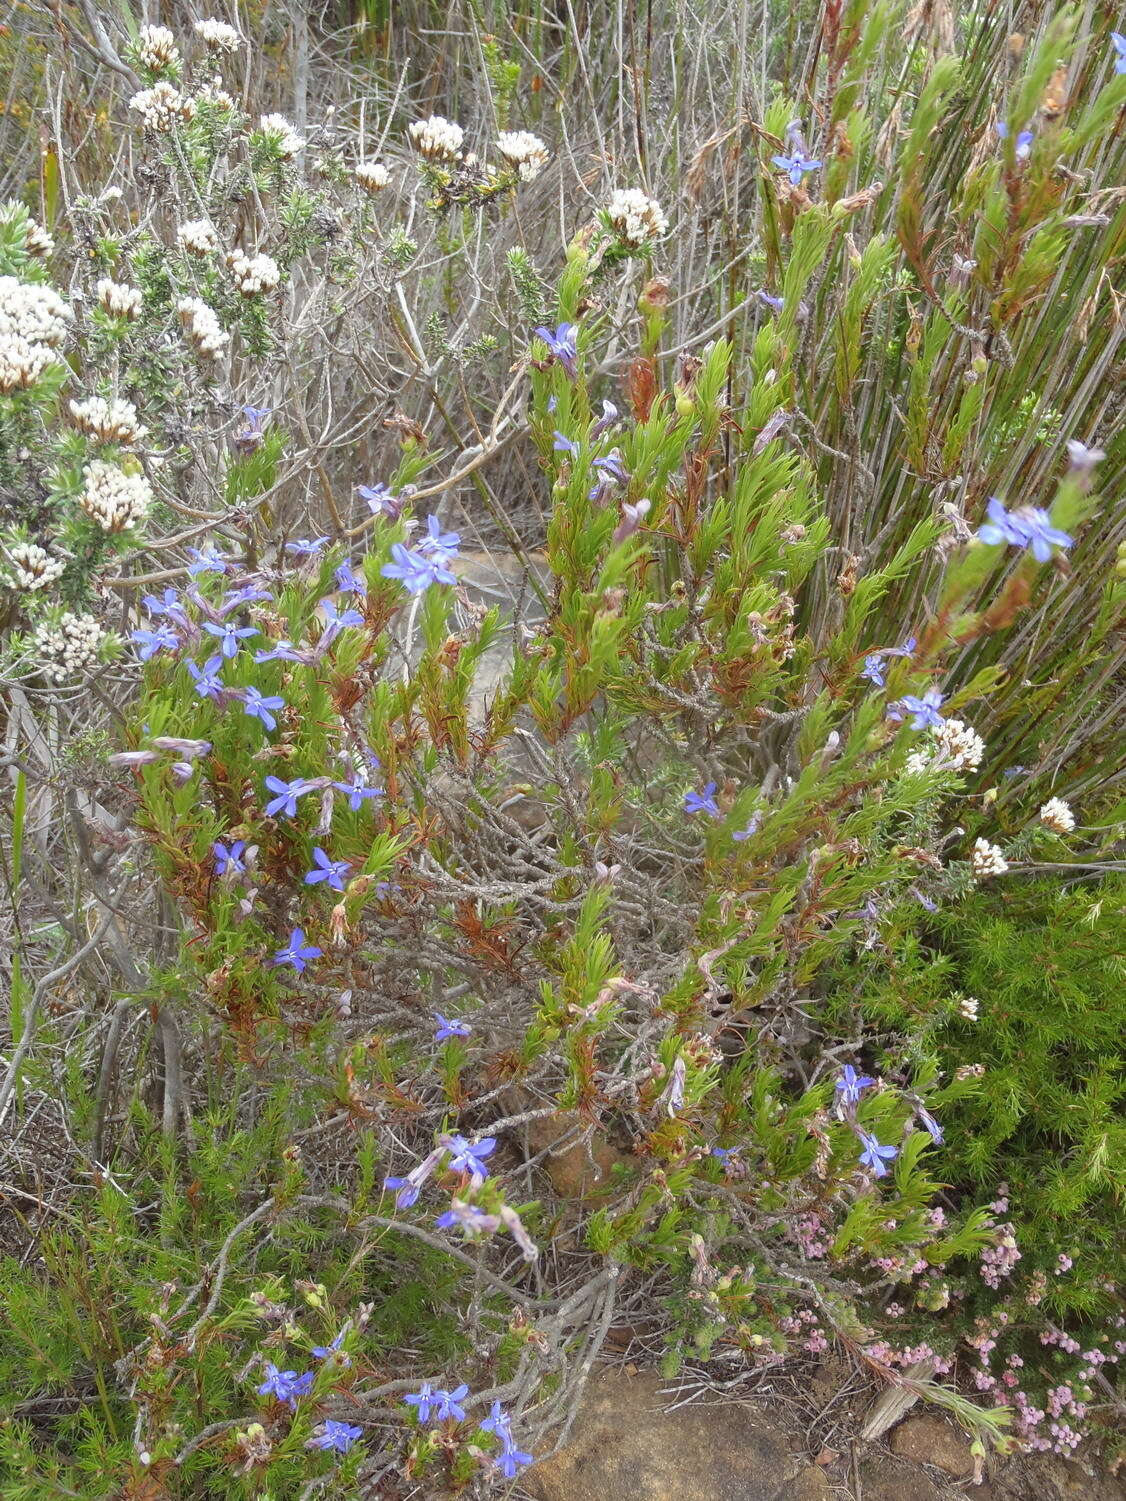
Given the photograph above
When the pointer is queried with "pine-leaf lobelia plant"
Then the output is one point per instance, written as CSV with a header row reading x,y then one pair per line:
x,y
493,1006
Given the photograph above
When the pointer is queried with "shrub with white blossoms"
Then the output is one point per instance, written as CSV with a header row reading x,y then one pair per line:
x,y
39,242
34,323
32,567
281,135
436,138
202,327
636,218
987,860
111,420
198,237
373,177
523,151
156,49
117,299
218,36
1056,815
253,273
67,647
162,107
113,499
955,746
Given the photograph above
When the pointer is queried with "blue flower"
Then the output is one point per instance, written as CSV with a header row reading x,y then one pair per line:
x,y
438,543
168,604
282,651
563,344
328,870
287,794
336,620
472,1220
206,678
1023,148
702,802
874,1155
286,1386
1025,527
231,636
322,1352
497,1422
422,1401
416,572
304,548
356,791
164,638
795,165
380,501
256,416
229,860
207,561
906,650
468,1157
725,1153
406,1192
449,1403
249,594
750,829
771,302
513,1460
448,1028
563,444
258,706
931,1125
1119,51
874,671
297,952
346,579
924,709
606,421
850,1085
334,1435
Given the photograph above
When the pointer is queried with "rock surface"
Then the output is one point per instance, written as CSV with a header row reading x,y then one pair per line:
x,y
930,1439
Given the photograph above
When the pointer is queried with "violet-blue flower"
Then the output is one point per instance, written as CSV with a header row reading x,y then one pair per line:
x,y
850,1085
356,792
775,303
249,594
422,1401
1026,527
751,828
164,638
281,651
297,952
703,801
322,1352
347,581
286,1386
438,543
466,1156
168,604
449,1403
229,861
206,678
258,705
332,1434
328,870
380,501
206,561
468,1217
414,571
498,1422
794,166
1119,42
874,1154
513,1460
606,421
874,670
305,547
925,709
406,1193
563,444
286,795
931,1125
230,636
450,1028
1023,148
563,343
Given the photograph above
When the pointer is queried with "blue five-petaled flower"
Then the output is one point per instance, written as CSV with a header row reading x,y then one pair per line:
x,y
259,705
702,802
468,1157
925,709
563,344
1022,150
286,1386
332,1434
1026,527
415,571
230,636
794,166
206,678
448,1028
287,793
875,1155
297,952
229,860
164,638
850,1085
356,792
328,870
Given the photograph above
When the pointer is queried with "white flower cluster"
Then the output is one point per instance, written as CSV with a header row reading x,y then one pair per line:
x,y
954,746
968,1008
635,217
253,273
987,860
211,93
524,151
1057,815
156,48
118,299
112,498
218,35
162,106
373,177
33,323
68,648
197,237
437,138
282,134
38,241
112,421
202,327
33,567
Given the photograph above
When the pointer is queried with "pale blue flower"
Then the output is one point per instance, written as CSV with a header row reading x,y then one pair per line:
x,y
874,1155
794,166
334,1435
258,705
703,801
563,344
297,952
